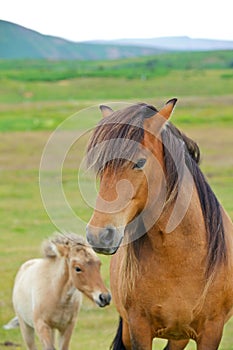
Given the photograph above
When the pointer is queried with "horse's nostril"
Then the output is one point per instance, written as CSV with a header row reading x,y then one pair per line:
x,y
107,235
105,298
105,240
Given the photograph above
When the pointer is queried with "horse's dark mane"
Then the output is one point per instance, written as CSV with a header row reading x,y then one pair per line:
x,y
181,145
125,126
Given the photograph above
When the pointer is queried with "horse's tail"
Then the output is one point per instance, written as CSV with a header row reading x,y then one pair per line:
x,y
13,323
117,343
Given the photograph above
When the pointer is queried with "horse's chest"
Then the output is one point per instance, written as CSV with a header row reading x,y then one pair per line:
x,y
169,311
66,311
172,321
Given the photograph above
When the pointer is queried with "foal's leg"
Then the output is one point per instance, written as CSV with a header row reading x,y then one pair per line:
x,y
176,344
64,337
28,335
45,334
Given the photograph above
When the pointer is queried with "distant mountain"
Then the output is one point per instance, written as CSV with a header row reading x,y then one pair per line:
x,y
180,43
17,42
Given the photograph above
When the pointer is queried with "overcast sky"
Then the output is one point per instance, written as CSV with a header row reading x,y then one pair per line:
x,y
80,20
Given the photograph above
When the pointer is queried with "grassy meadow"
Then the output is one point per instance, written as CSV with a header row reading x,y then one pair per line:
x,y
37,96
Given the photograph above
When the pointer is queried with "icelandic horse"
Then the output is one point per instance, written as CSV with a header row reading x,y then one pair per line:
x,y
47,293
171,240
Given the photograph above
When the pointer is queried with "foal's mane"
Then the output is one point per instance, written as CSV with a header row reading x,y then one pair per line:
x,y
125,126
65,239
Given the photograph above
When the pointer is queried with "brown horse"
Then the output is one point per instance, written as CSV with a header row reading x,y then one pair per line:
x,y
172,268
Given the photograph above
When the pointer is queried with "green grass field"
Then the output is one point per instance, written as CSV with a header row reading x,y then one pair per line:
x,y
29,113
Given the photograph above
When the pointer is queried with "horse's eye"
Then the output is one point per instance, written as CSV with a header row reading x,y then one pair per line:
x,y
140,164
77,269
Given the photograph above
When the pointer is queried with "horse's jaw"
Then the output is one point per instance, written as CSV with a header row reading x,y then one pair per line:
x,y
106,251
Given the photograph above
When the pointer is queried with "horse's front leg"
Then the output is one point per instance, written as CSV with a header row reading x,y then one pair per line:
x,y
45,334
210,337
28,334
64,337
140,333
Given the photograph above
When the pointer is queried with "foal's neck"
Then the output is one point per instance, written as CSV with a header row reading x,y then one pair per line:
x,y
63,281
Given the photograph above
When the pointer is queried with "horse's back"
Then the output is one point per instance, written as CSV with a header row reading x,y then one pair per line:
x,y
26,273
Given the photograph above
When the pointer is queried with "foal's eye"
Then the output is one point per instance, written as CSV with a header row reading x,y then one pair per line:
x,y
139,164
77,269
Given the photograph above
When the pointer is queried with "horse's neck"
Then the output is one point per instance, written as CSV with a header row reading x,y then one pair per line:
x,y
181,225
61,279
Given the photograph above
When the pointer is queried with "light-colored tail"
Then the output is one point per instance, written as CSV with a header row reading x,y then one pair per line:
x,y
13,323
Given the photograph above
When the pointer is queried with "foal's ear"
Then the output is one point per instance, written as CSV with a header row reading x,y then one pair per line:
x,y
155,123
105,110
61,249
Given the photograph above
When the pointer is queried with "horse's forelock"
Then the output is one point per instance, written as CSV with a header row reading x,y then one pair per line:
x,y
116,138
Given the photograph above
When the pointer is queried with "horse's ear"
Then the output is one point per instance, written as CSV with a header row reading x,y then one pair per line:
x,y
60,249
166,111
106,111
155,123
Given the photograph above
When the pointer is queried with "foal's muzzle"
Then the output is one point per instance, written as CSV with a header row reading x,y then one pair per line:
x,y
104,241
104,299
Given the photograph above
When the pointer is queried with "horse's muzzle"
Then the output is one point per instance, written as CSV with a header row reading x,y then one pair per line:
x,y
104,299
105,241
